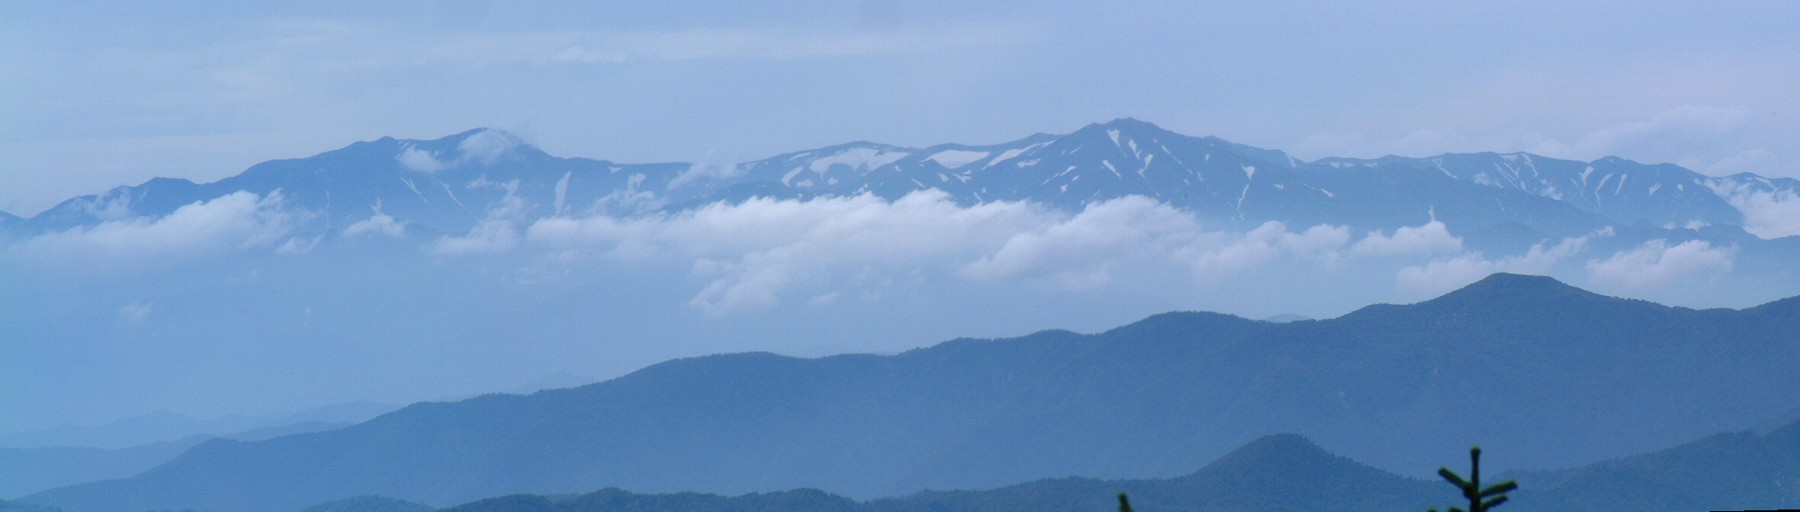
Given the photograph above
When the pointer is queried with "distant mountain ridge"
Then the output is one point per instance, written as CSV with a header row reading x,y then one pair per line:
x,y
1280,472
1286,472
162,426
1730,471
450,185
439,186
35,461
1400,387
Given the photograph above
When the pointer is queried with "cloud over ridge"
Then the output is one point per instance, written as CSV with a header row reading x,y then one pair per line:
x,y
236,221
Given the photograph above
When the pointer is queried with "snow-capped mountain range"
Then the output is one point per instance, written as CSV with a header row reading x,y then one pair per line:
x,y
452,184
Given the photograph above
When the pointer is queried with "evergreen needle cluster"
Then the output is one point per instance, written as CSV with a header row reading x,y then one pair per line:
x,y
1480,500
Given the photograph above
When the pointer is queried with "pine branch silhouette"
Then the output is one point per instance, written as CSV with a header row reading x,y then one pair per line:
x,y
1480,500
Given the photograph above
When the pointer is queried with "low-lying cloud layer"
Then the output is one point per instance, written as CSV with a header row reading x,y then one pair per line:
x,y
240,220
1444,274
1657,263
245,290
752,255
1768,212
763,253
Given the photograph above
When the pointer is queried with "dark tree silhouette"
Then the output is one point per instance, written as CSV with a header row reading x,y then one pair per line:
x,y
1480,500
1124,503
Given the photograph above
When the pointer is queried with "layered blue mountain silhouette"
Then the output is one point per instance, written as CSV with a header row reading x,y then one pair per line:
x,y
1277,473
1542,374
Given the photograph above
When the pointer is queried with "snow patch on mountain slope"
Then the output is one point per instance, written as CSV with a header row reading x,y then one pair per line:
x,y
954,158
857,158
1014,153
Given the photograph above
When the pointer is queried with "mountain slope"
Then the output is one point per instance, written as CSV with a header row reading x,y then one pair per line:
x,y
163,426
1741,470
1624,191
1288,472
1276,473
1401,387
27,470
440,186
454,184
1214,178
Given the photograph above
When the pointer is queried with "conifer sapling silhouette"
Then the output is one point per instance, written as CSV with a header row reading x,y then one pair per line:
x,y
1480,500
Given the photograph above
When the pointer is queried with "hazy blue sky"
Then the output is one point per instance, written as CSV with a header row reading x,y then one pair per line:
x,y
107,93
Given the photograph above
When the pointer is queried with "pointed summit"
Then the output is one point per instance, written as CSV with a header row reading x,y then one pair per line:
x,y
1510,279
1292,465
1119,130
1274,450
1517,286
1133,124
1509,298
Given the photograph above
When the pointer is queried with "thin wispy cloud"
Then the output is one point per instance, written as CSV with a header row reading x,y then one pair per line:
x,y
1687,135
136,312
732,43
302,44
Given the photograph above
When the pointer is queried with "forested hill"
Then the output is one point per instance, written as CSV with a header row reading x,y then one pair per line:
x,y
1513,363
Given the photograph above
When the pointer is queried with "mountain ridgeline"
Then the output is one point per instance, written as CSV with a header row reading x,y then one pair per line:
x,y
1405,388
452,184
1277,473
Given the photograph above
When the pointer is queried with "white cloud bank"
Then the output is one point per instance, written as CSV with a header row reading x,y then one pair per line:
x,y
1217,255
1656,263
751,252
419,160
1432,238
1768,212
750,256
379,223
754,254
240,220
757,254
490,236
1076,251
497,232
